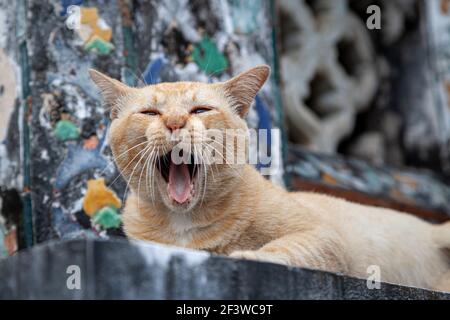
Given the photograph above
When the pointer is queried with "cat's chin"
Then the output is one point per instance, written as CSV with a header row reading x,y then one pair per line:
x,y
180,208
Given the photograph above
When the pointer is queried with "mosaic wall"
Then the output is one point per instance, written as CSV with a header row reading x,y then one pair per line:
x,y
328,64
70,185
419,192
12,129
432,137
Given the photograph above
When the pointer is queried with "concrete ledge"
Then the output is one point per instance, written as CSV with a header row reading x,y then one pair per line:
x,y
118,269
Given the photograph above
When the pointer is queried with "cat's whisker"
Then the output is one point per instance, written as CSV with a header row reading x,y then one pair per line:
x,y
140,80
150,172
142,76
197,160
207,63
123,154
140,178
205,144
153,166
209,162
224,160
205,179
121,172
127,187
151,177
148,175
142,153
215,72
229,165
159,162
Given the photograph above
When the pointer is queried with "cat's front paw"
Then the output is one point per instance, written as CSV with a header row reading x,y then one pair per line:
x,y
258,256
245,254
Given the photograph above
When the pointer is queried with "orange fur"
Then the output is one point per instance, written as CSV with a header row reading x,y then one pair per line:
x,y
235,211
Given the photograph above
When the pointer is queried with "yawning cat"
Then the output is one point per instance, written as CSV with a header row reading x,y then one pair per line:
x,y
230,208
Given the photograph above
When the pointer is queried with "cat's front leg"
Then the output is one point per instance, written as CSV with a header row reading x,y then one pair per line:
x,y
258,255
317,249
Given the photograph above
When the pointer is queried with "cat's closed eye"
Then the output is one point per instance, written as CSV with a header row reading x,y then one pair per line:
x,y
201,109
150,112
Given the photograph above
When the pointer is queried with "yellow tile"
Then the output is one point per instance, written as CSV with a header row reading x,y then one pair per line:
x,y
99,196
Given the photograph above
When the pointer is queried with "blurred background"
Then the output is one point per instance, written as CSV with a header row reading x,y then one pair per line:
x,y
359,93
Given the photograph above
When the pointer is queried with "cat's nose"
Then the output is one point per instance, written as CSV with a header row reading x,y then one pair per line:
x,y
175,124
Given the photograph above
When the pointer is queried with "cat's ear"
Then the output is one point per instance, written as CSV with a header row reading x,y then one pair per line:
x,y
111,89
243,88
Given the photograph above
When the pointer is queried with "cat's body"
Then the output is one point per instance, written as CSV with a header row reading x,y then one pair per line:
x,y
303,229
238,212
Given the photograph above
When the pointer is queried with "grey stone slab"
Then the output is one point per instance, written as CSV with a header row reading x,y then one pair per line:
x,y
118,269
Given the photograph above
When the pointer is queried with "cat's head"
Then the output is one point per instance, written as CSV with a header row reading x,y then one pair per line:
x,y
168,139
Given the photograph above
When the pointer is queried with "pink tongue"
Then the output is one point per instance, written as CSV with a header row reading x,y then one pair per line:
x,y
179,182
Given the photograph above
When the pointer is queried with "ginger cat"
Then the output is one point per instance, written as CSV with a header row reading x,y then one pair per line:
x,y
231,209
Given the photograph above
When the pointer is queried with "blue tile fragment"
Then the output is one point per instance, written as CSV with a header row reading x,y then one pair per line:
x,y
152,72
67,3
63,223
78,161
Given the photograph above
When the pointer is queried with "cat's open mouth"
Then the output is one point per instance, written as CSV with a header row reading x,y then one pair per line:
x,y
179,177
